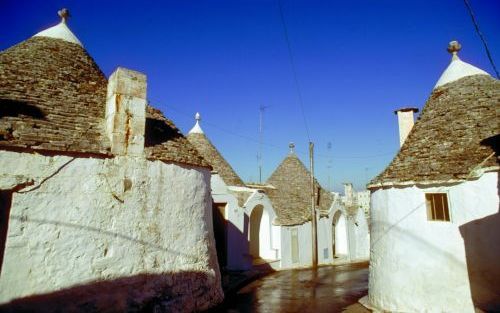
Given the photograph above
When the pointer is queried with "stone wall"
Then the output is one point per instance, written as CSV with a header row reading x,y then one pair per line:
x,y
122,233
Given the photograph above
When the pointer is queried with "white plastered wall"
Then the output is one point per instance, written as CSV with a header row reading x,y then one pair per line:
x,y
304,245
354,232
419,265
238,257
85,219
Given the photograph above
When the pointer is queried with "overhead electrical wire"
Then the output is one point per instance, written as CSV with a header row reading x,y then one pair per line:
x,y
294,70
255,140
478,31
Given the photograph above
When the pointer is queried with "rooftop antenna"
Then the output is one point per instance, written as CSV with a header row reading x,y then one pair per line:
x,y
262,108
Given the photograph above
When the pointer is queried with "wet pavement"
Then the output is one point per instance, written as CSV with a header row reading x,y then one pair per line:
x,y
328,289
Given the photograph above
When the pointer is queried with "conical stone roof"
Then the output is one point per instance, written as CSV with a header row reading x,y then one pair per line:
x,y
291,196
53,99
52,96
445,144
210,153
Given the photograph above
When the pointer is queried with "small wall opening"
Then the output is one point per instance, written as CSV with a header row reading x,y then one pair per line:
x,y
5,204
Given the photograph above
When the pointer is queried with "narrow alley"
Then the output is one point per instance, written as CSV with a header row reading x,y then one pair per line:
x,y
328,289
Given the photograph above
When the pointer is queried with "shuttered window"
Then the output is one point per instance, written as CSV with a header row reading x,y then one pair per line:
x,y
437,207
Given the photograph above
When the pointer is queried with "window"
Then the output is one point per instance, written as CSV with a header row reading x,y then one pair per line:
x,y
437,207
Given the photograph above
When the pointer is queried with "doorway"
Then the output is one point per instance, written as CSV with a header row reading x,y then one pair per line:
x,y
255,229
339,235
220,232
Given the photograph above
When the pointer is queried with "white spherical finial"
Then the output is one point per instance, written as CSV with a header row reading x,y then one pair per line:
x,y
292,147
64,14
197,116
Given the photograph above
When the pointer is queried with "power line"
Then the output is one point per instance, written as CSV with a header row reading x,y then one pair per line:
x,y
476,26
294,71
270,145
261,139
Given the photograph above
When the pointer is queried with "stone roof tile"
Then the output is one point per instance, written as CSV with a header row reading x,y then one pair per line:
x,y
53,98
214,158
291,195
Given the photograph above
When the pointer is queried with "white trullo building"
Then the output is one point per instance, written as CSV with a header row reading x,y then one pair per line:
x,y
243,216
105,205
435,236
342,231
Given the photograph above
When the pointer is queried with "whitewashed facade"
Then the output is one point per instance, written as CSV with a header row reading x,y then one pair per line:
x,y
99,212
250,235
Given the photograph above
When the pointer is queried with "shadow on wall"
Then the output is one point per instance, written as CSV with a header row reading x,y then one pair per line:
x,y
158,132
170,292
482,251
238,250
17,108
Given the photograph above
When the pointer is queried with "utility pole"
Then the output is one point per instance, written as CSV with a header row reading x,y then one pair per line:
x,y
261,139
313,209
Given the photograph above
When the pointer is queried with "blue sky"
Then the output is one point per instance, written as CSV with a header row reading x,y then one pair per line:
x,y
356,62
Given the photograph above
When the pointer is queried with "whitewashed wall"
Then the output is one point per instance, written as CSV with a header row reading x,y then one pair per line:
x,y
85,220
419,265
359,237
324,241
238,231
238,256
357,240
304,243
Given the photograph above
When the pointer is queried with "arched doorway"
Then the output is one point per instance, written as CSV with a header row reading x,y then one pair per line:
x,y
339,234
255,229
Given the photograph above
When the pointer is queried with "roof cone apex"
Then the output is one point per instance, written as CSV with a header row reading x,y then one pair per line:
x,y
457,68
196,128
61,30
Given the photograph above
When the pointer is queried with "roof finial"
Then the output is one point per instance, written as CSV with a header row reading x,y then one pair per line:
x,y
292,147
64,14
453,48
196,128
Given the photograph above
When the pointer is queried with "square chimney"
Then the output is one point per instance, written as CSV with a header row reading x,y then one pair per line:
x,y
126,112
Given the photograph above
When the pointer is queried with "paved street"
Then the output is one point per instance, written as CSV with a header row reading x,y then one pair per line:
x,y
328,289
